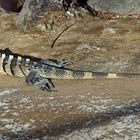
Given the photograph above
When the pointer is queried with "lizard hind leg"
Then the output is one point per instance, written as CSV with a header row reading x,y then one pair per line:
x,y
33,78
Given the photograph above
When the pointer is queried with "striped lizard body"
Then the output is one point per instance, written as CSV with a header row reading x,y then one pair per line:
x,y
40,72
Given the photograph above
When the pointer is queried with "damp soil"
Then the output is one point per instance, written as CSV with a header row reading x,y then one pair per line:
x,y
78,109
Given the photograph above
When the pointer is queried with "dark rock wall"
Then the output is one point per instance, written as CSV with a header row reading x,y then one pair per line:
x,y
9,5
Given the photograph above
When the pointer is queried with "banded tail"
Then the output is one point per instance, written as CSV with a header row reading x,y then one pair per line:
x,y
63,73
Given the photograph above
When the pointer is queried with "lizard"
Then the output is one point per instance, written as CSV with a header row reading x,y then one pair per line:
x,y
79,3
40,72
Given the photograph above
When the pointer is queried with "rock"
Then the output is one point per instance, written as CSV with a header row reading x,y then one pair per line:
x,y
109,31
32,9
124,7
56,53
42,27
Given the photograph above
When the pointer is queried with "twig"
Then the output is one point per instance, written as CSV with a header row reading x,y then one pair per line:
x,y
61,34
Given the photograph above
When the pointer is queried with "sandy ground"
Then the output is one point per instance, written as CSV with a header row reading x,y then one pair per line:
x,y
79,109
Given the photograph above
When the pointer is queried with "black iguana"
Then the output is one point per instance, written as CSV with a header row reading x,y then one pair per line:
x,y
80,3
40,71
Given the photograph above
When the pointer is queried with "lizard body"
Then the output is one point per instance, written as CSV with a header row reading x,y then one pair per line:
x,y
40,71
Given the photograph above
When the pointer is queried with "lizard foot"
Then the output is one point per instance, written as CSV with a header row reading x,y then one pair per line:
x,y
47,85
33,78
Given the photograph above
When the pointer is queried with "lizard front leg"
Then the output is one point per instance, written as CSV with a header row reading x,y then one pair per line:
x,y
33,78
56,63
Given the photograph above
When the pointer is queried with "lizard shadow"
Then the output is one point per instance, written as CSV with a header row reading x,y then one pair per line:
x,y
90,121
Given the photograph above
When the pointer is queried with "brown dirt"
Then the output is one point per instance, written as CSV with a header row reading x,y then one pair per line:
x,y
92,44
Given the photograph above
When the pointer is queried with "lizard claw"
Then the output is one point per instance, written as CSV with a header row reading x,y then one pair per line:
x,y
35,79
48,85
